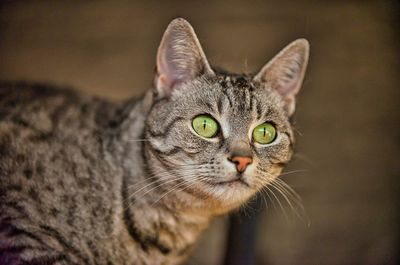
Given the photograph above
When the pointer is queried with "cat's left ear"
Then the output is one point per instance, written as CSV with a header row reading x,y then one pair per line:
x,y
285,72
180,58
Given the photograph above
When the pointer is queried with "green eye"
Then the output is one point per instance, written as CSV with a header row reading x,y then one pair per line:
x,y
205,125
264,133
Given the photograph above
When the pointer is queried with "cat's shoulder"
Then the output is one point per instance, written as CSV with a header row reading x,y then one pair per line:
x,y
45,99
48,110
18,93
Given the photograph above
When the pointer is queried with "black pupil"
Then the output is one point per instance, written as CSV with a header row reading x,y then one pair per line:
x,y
265,131
204,124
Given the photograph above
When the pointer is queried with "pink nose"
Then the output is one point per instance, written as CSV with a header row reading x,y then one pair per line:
x,y
241,162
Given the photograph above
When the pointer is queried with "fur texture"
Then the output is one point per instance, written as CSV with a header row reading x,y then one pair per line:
x,y
87,181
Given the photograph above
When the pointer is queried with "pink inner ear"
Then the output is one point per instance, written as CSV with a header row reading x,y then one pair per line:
x,y
176,63
167,76
285,75
285,71
162,81
164,69
180,58
289,84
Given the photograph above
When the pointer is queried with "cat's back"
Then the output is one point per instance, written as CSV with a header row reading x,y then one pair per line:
x,y
47,130
38,112
43,108
39,121
52,184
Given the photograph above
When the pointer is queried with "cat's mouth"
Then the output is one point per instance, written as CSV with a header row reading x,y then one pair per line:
x,y
238,179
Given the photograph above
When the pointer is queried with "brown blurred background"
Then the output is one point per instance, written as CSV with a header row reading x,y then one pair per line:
x,y
347,116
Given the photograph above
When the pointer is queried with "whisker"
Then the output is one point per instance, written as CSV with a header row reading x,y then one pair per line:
x,y
264,192
279,202
158,186
166,176
290,189
292,172
176,187
290,196
296,199
264,199
157,176
164,181
157,173
304,158
194,176
281,191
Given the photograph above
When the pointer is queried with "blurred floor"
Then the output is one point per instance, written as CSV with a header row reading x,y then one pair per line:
x,y
347,115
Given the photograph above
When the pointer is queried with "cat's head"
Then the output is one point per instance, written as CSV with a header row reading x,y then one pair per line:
x,y
217,137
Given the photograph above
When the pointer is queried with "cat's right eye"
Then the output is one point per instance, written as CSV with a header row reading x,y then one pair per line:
x,y
264,133
205,125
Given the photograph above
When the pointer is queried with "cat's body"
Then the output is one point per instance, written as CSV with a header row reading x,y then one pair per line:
x,y
62,169
87,181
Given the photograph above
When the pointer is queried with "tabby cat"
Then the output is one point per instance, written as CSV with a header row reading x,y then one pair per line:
x,y
87,181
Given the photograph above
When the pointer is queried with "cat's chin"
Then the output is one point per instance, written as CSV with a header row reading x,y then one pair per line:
x,y
228,195
232,183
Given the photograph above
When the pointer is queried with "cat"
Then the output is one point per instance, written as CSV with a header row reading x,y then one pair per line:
x,y
87,181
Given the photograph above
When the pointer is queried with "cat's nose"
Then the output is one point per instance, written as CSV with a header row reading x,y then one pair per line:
x,y
241,162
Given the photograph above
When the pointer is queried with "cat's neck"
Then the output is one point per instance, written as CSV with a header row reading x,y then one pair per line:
x,y
159,228
166,224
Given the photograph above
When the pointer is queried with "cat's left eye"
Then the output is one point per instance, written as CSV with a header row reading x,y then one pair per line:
x,y
205,125
264,133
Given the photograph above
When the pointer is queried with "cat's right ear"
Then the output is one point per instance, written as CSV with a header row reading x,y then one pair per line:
x,y
285,72
180,58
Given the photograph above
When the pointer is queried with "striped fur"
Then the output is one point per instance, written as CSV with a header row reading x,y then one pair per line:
x,y
87,181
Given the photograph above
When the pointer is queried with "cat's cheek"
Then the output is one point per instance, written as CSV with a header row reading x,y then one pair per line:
x,y
275,170
249,174
268,173
228,168
276,153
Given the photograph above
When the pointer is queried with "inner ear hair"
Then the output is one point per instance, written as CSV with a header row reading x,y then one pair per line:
x,y
180,58
285,72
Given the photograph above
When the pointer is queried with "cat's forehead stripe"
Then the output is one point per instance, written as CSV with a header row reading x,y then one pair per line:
x,y
239,100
